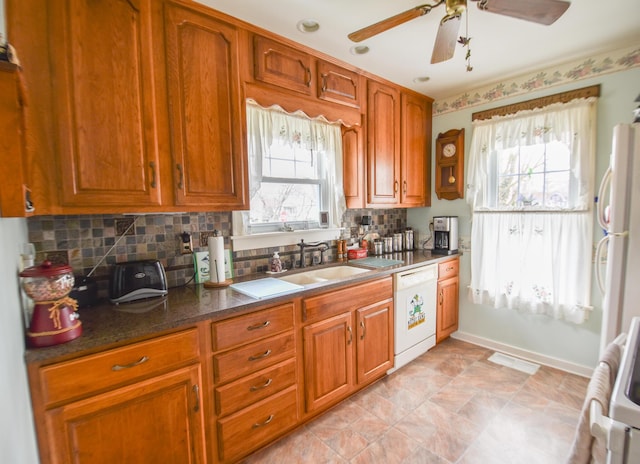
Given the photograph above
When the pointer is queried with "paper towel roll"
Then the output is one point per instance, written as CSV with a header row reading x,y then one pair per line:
x,y
216,259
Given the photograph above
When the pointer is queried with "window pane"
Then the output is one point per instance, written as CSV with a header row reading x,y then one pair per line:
x,y
507,162
558,157
279,202
531,190
532,159
557,190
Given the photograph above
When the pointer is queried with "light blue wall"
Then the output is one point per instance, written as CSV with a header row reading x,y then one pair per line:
x,y
577,344
17,436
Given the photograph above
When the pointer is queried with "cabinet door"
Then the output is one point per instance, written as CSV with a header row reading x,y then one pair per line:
x,y
105,102
375,341
205,112
447,321
157,420
286,67
353,166
383,144
338,85
328,361
415,152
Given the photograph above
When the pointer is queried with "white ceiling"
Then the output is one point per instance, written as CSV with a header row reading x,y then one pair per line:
x,y
501,46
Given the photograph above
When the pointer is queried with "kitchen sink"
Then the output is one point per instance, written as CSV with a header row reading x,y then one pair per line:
x,y
323,275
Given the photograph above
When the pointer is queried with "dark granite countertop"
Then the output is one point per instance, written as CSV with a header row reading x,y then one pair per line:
x,y
107,325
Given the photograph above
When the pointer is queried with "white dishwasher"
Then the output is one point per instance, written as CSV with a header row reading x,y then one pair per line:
x,y
415,313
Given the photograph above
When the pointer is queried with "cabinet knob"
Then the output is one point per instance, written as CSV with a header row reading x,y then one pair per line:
x,y
260,356
152,165
259,326
196,391
180,176
259,424
119,367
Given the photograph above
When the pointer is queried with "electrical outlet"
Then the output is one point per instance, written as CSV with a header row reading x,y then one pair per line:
x,y
204,238
186,245
122,225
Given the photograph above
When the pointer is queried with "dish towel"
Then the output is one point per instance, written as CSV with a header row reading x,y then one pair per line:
x,y
587,449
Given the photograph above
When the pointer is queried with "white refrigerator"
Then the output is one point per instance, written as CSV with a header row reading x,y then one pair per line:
x,y
619,216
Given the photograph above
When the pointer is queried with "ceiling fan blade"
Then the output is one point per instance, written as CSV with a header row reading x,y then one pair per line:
x,y
538,11
446,40
386,24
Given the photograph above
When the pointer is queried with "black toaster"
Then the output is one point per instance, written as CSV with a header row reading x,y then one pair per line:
x,y
135,280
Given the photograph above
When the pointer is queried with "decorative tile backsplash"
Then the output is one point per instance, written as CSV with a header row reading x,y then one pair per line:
x,y
86,241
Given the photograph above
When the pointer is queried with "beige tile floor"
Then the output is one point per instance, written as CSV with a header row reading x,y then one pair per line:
x,y
451,405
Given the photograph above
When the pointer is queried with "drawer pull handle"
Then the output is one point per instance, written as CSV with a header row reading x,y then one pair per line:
x,y
260,356
152,165
196,390
269,419
441,296
350,335
119,367
260,387
449,269
180,175
364,330
259,326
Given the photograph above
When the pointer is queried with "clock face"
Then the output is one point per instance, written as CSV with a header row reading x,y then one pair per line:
x,y
449,150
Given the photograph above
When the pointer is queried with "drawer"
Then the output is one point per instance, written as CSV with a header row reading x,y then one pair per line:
x,y
252,427
343,300
96,372
255,387
251,358
448,269
251,327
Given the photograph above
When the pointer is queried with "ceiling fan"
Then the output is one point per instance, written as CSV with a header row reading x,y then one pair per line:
x,y
538,11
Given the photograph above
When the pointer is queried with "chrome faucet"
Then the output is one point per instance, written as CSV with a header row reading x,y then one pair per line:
x,y
322,246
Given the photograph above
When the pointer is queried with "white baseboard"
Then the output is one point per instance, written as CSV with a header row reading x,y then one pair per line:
x,y
578,369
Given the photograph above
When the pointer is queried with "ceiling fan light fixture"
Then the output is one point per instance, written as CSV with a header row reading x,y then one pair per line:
x,y
308,25
359,50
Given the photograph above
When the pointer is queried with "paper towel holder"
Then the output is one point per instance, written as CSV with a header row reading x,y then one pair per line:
x,y
213,270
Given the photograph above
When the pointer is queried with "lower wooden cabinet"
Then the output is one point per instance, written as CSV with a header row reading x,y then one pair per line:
x,y
344,352
448,299
156,420
255,380
139,403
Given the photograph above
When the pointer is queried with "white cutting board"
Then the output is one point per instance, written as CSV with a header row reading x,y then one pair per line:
x,y
266,287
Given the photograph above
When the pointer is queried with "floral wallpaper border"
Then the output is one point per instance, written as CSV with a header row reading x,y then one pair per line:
x,y
610,62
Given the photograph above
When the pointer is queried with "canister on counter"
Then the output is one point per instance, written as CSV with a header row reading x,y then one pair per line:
x,y
397,242
378,247
408,239
388,244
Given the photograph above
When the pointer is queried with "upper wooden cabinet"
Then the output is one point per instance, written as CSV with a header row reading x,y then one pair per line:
x,y
13,189
383,144
353,166
105,102
205,112
339,85
415,149
398,147
278,64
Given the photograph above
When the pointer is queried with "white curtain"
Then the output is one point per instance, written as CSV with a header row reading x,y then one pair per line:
x,y
536,261
324,138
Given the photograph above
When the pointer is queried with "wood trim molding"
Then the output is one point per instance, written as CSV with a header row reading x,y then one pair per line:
x,y
563,97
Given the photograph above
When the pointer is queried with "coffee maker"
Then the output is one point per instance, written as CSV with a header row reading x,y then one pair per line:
x,y
445,229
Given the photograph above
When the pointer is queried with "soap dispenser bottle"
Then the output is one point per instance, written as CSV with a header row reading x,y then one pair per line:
x,y
276,263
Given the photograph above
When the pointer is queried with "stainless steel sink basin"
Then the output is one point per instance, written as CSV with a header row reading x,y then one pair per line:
x,y
323,275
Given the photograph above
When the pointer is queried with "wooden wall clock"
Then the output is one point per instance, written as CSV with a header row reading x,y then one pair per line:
x,y
450,165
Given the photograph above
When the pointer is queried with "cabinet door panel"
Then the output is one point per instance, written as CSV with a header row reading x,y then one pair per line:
x,y
328,360
375,340
158,420
353,166
447,321
283,66
205,113
104,102
383,147
338,85
415,159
